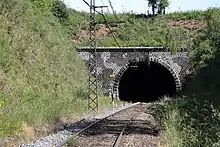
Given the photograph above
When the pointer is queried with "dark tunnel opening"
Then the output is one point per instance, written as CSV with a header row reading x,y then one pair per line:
x,y
146,83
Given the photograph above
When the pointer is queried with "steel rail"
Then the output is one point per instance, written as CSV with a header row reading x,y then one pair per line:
x,y
91,125
118,140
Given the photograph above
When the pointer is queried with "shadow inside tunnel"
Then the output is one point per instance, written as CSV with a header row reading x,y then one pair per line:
x,y
146,83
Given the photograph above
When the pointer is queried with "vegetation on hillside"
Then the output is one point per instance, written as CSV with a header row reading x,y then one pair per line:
x,y
173,31
42,79
194,119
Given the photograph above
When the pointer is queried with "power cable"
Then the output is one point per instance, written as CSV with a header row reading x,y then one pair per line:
x,y
119,26
106,23
116,17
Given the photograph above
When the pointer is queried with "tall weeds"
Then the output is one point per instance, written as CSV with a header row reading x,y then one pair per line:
x,y
41,76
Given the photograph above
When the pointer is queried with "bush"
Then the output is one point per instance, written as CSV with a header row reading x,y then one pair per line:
x,y
60,10
189,122
206,44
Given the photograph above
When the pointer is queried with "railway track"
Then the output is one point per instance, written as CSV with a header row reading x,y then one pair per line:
x,y
128,126
82,131
118,141
111,130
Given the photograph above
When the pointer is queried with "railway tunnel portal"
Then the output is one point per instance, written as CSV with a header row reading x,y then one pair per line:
x,y
139,74
146,82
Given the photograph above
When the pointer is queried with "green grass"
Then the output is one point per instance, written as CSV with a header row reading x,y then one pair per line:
x,y
189,15
41,76
194,118
189,122
43,80
138,31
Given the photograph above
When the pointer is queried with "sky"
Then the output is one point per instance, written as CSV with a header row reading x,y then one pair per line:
x,y
140,6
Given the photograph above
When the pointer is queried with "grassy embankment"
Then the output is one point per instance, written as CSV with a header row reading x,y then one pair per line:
x,y
194,119
42,80
173,31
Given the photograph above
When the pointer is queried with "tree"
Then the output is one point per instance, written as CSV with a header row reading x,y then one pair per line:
x,y
158,4
162,6
153,4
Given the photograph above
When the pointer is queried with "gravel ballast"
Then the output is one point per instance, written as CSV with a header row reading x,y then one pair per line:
x,y
58,138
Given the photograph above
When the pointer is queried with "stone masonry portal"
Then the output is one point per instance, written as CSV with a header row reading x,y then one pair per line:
x,y
113,63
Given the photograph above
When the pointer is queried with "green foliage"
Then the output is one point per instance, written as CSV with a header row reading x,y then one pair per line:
x,y
43,5
139,30
160,5
147,32
194,119
202,53
42,79
39,66
77,21
206,44
190,15
164,3
153,4
213,24
41,76
189,122
60,10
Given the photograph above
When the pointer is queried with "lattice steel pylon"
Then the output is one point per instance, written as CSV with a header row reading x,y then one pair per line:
x,y
93,83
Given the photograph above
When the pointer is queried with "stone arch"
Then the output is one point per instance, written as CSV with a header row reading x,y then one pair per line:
x,y
161,62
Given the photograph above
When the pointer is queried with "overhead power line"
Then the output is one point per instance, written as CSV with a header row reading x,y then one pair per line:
x,y
93,82
117,18
106,23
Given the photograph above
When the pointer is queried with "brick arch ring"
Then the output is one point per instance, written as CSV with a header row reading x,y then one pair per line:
x,y
161,62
